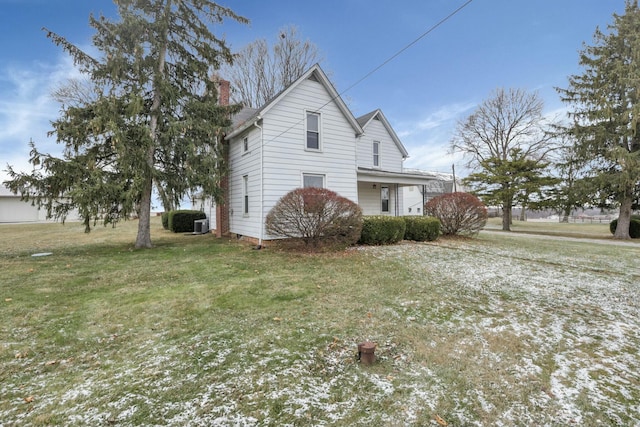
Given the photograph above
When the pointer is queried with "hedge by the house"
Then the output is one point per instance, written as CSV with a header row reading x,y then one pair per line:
x,y
422,228
634,226
165,220
181,221
382,230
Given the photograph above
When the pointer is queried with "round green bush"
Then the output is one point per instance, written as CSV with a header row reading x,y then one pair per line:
x,y
181,221
382,230
634,226
165,220
422,228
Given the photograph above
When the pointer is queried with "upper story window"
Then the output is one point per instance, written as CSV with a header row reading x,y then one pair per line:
x,y
313,131
312,180
245,195
245,144
376,153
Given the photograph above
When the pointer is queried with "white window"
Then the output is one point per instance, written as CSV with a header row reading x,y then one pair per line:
x,y
245,195
384,199
376,153
245,144
313,131
312,180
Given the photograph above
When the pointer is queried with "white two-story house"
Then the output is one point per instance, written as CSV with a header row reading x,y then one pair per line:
x,y
306,136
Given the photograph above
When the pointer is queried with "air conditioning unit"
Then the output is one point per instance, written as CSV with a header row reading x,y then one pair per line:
x,y
201,226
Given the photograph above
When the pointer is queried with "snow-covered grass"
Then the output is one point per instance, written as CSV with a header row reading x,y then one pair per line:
x,y
500,330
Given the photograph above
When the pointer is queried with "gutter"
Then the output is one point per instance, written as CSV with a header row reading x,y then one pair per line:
x,y
255,123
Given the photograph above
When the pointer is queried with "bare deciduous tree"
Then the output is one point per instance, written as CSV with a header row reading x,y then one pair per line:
x,y
258,73
504,130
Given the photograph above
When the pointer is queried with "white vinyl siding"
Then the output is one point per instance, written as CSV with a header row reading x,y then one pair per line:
x,y
369,199
244,194
390,157
286,158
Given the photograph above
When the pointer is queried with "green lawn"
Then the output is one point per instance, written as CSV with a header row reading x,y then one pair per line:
x,y
578,229
498,330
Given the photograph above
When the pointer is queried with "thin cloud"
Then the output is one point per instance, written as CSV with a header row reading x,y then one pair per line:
x,y
427,138
26,113
444,115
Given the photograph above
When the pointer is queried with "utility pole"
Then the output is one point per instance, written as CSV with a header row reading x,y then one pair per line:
x,y
455,188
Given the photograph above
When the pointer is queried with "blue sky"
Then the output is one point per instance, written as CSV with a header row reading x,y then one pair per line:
x,y
525,44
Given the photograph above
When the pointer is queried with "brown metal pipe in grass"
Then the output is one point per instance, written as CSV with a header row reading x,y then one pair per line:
x,y
366,353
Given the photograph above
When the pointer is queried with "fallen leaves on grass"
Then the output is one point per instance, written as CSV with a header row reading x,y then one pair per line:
x,y
440,420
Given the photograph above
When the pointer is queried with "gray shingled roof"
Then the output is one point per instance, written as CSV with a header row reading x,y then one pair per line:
x,y
245,114
362,120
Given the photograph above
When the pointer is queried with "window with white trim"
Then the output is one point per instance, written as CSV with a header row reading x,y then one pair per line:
x,y
312,180
245,195
376,153
245,144
313,131
384,199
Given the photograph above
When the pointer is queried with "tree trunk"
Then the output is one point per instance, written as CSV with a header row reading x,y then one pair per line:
x,y
624,219
565,215
143,239
167,202
506,217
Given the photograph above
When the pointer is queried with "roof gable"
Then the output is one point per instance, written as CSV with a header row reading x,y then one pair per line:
x,y
364,121
314,73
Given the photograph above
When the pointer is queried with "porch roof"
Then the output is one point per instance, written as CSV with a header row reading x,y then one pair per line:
x,y
399,178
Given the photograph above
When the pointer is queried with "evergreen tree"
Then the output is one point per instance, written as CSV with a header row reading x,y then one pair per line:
x,y
155,116
516,179
606,111
569,193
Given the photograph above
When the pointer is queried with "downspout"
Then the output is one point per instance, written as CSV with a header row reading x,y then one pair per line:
x,y
261,182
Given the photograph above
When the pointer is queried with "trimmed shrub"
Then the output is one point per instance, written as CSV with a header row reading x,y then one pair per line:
x,y
181,221
382,230
634,226
422,228
317,217
165,220
459,213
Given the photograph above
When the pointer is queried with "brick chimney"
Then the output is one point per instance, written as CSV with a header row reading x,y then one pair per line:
x,y
223,91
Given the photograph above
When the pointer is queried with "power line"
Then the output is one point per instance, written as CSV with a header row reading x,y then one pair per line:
x,y
398,53
391,58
